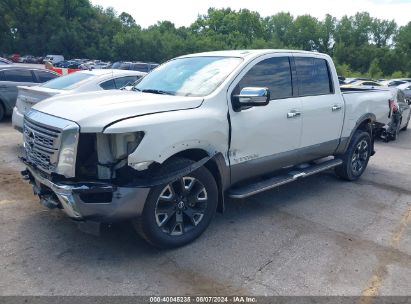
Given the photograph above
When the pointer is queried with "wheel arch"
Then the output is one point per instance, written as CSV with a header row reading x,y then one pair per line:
x,y
367,123
217,167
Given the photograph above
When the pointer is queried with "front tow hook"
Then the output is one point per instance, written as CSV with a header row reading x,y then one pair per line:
x,y
25,174
48,201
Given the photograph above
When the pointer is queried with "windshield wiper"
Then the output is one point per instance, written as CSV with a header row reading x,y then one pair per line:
x,y
154,91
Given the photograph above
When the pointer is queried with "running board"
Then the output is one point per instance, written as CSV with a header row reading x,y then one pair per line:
x,y
277,181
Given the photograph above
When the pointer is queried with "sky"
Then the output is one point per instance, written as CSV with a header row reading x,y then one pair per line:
x,y
184,12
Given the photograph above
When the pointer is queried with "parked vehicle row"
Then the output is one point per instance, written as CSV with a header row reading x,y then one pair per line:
x,y
79,63
12,76
79,82
136,66
400,115
31,59
400,102
200,128
406,89
360,83
4,61
353,82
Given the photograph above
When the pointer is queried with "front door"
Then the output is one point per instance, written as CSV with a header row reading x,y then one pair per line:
x,y
264,138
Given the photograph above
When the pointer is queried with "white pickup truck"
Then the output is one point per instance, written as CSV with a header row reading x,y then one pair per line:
x,y
194,131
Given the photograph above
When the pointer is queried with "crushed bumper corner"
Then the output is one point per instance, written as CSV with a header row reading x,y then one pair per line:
x,y
88,201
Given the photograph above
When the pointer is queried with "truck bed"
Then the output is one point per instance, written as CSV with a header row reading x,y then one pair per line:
x,y
371,100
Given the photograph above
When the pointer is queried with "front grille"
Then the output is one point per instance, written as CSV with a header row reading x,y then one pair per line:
x,y
42,145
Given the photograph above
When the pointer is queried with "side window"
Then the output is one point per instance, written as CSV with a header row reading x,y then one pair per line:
x,y
19,75
313,76
108,85
273,73
400,96
44,76
123,81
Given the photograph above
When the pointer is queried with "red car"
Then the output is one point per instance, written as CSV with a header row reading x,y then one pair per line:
x,y
15,57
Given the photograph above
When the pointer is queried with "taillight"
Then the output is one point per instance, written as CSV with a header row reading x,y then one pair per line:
x,y
393,105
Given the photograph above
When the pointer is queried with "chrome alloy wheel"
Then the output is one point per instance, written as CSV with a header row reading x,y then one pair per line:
x,y
359,157
181,206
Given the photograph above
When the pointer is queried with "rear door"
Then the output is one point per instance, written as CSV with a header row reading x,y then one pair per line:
x,y
11,79
322,108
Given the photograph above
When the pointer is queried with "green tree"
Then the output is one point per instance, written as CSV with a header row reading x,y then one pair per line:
x,y
374,71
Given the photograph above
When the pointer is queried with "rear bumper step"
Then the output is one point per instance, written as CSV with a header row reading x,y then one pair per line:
x,y
276,181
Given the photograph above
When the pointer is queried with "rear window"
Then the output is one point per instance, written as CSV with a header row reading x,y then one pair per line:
x,y
108,85
19,75
123,81
65,82
44,76
313,76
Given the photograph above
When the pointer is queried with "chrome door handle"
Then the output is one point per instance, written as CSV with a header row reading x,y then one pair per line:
x,y
293,114
336,108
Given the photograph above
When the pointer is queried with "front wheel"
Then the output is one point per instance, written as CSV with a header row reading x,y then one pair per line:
x,y
178,212
356,157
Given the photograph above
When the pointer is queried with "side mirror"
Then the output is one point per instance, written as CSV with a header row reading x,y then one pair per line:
x,y
251,97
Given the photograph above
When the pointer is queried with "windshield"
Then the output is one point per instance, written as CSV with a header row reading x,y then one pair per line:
x,y
65,82
192,76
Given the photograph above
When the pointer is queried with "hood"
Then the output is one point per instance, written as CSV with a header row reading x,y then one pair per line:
x,y
95,110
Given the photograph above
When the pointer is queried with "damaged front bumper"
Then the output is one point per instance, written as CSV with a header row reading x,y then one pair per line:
x,y
92,201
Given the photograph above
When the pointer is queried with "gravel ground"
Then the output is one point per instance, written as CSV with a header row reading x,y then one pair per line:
x,y
318,236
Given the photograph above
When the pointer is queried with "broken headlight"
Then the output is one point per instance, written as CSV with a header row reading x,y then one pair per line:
x,y
123,144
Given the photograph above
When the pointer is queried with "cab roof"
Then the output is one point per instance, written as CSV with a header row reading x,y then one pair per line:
x,y
247,53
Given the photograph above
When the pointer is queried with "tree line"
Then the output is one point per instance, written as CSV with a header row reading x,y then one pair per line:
x,y
359,44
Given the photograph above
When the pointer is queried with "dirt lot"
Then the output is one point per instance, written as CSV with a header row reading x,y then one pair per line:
x,y
318,236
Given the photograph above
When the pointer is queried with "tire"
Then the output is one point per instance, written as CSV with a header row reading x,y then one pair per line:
x,y
2,111
356,157
177,213
395,135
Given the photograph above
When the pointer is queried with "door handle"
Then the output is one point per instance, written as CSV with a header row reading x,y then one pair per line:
x,y
293,114
336,108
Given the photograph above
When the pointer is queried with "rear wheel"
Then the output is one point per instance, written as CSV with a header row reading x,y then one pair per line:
x,y
396,132
356,157
178,212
